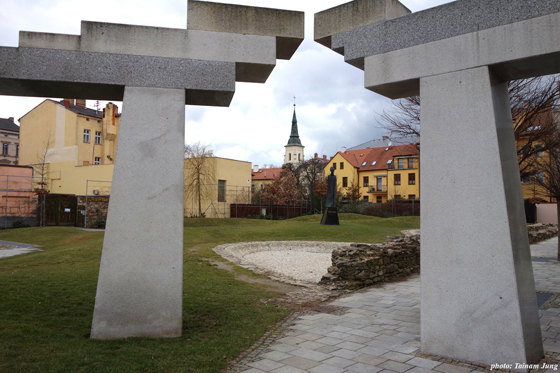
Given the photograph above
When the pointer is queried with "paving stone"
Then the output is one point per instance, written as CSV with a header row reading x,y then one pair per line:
x,y
253,370
310,345
276,355
350,345
404,349
448,368
339,362
397,356
266,365
374,351
395,366
283,347
347,354
310,354
423,363
287,369
363,368
329,341
327,349
300,363
358,339
310,336
369,359
324,368
291,340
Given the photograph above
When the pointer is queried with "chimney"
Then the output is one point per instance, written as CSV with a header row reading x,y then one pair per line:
x,y
256,168
385,137
316,156
343,149
324,157
81,103
11,119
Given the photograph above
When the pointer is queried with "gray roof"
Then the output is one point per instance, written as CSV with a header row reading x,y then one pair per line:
x,y
83,111
383,143
8,125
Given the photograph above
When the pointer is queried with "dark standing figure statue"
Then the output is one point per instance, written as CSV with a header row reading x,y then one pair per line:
x,y
330,217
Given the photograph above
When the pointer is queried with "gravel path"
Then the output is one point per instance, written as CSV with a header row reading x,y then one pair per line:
x,y
294,262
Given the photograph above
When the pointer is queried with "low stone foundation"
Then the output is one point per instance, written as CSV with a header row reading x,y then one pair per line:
x,y
359,265
542,232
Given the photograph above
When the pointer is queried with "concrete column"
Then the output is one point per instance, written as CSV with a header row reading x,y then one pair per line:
x,y
139,292
478,291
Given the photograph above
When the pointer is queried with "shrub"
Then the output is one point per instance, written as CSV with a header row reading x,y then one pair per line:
x,y
19,224
99,223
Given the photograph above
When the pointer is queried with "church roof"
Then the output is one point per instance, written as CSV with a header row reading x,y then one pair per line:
x,y
294,136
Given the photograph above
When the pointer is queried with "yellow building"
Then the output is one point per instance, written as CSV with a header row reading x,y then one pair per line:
x,y
67,131
263,176
381,174
227,182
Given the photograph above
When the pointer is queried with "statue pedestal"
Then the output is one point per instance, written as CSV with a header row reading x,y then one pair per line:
x,y
330,217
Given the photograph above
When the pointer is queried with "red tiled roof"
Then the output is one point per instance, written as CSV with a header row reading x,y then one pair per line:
x,y
267,173
363,159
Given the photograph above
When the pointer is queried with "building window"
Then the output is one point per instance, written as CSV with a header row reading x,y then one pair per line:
x,y
97,160
379,199
4,149
299,157
334,165
539,177
342,165
290,156
86,136
539,150
17,150
397,196
344,182
97,138
397,179
366,181
526,180
410,162
379,183
412,196
221,190
401,163
366,198
411,179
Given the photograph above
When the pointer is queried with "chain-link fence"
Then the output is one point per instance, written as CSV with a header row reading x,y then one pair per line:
x,y
215,200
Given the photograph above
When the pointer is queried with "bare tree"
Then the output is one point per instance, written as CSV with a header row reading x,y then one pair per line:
x,y
548,173
284,189
41,168
199,173
531,100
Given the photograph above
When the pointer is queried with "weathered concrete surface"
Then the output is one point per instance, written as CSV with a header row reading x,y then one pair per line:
x,y
254,50
139,292
286,26
63,73
514,51
352,15
478,292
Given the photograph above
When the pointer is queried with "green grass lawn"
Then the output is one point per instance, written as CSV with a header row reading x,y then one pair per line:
x,y
47,298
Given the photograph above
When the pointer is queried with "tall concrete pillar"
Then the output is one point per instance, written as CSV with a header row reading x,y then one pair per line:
x,y
139,292
478,291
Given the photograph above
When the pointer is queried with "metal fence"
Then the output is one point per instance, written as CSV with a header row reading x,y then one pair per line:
x,y
215,200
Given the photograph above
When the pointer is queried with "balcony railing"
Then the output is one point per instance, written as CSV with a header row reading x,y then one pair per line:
x,y
377,189
395,165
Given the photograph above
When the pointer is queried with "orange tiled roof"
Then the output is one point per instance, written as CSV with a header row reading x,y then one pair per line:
x,y
266,173
364,159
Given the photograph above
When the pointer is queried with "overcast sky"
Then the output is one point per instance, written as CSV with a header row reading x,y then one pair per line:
x,y
333,107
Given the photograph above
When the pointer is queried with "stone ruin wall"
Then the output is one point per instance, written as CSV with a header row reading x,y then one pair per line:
x,y
96,208
360,265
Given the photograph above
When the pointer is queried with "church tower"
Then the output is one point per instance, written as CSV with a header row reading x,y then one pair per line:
x,y
294,149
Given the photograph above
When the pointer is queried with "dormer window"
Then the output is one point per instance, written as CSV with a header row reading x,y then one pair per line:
x,y
374,163
363,164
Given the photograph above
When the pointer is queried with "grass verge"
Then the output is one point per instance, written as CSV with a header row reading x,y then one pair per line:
x,y
47,298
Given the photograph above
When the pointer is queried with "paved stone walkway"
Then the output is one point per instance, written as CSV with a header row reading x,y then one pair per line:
x,y
8,249
378,330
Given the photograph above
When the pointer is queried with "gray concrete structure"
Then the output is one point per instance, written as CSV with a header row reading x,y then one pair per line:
x,y
155,71
478,293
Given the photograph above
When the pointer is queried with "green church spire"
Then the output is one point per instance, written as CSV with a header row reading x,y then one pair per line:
x,y
294,136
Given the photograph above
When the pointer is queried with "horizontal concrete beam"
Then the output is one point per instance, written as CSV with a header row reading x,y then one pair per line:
x,y
353,15
103,76
285,25
439,23
513,51
254,55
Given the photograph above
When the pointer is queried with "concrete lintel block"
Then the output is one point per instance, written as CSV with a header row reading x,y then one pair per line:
x,y
353,15
478,292
285,25
514,51
139,292
28,39
61,73
445,21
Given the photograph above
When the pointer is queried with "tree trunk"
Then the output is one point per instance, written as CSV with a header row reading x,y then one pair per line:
x,y
558,215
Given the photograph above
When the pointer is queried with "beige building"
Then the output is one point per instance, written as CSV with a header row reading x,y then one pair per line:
x,y
9,137
67,131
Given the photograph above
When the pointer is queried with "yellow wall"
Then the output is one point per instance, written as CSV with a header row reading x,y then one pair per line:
x,y
404,189
349,172
237,177
52,126
371,191
65,178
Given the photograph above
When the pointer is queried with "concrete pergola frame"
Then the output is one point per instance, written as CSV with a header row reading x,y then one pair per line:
x,y
155,71
478,293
